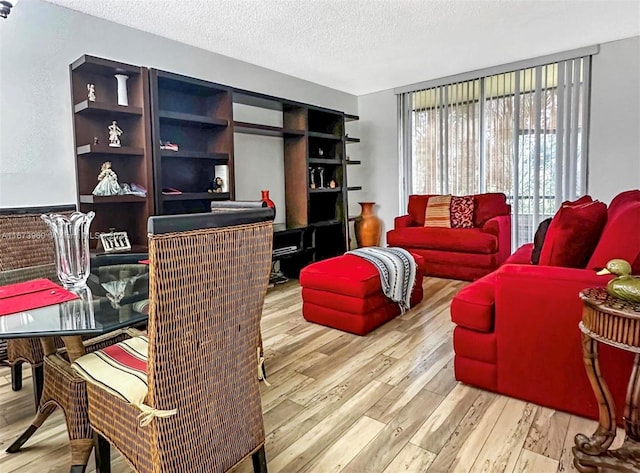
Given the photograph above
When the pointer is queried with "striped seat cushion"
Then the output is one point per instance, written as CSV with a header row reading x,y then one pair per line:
x,y
438,213
120,369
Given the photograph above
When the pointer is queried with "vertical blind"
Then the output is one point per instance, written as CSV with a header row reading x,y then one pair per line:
x,y
522,132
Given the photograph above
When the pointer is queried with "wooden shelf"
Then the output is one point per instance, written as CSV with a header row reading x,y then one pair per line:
x,y
196,196
98,65
88,150
111,199
337,162
264,130
353,162
190,119
167,153
325,190
351,118
105,107
326,223
349,139
326,136
354,188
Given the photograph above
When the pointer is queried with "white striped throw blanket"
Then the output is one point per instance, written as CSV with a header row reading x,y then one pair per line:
x,y
397,270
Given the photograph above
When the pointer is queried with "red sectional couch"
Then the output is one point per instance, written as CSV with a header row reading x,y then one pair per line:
x,y
457,253
517,328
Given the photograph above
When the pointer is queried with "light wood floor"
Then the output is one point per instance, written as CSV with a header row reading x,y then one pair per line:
x,y
383,403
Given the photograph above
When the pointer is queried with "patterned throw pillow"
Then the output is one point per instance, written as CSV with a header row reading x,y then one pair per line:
x,y
462,212
437,213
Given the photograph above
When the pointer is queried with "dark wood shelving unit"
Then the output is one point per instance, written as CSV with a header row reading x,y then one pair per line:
x,y
197,116
325,136
131,162
354,188
324,190
353,162
265,130
349,139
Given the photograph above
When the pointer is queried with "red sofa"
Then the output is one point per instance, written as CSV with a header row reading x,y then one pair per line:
x,y
457,253
517,328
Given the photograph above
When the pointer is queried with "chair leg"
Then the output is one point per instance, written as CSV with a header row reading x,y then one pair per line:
x,y
38,382
80,453
259,461
43,412
16,376
103,455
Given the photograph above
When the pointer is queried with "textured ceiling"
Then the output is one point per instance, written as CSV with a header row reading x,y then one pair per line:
x,y
362,46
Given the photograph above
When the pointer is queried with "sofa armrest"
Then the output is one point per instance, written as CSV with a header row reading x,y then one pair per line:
x,y
537,312
500,226
402,222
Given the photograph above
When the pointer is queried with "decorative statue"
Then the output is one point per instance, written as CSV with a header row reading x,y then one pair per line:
x,y
312,178
215,185
332,184
624,286
114,135
320,152
107,181
91,92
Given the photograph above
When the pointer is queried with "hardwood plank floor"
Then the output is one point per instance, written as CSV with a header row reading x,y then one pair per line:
x,y
384,403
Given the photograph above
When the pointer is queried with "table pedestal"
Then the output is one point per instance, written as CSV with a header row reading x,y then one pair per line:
x,y
612,322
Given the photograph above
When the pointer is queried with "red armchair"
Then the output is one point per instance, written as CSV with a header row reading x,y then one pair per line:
x,y
457,253
517,328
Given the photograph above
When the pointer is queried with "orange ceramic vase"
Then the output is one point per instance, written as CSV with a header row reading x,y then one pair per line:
x,y
368,226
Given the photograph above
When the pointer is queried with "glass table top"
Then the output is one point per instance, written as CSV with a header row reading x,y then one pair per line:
x,y
116,296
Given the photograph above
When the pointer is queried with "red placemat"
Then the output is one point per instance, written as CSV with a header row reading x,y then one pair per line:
x,y
32,295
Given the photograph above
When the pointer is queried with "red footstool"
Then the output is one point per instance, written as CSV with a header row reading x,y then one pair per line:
x,y
345,293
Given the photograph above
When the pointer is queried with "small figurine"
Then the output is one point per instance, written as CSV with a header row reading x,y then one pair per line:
x,y
169,145
624,286
91,92
332,184
215,186
96,141
114,134
320,152
107,181
321,173
312,178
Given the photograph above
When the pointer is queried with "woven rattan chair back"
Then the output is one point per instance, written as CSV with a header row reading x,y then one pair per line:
x,y
27,252
207,290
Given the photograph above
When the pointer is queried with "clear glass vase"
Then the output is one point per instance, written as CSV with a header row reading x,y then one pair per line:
x,y
71,238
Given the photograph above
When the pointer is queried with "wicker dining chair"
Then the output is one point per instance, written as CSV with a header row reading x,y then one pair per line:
x,y
208,277
27,252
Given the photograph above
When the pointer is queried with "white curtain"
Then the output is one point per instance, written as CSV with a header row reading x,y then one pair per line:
x,y
522,132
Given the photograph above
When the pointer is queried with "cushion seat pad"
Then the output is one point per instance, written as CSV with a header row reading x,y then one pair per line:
x,y
463,240
345,293
474,305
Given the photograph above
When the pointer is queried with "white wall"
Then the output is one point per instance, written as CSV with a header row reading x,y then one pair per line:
x,y
39,40
614,140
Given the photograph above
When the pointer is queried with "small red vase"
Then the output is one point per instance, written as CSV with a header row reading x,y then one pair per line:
x,y
268,201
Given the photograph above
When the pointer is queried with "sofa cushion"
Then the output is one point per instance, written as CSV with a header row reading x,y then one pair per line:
x,y
489,205
466,240
473,306
462,211
438,212
521,256
417,207
347,274
538,240
573,235
620,237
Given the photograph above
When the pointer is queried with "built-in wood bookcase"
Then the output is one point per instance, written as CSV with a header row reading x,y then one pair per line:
x,y
196,116
131,162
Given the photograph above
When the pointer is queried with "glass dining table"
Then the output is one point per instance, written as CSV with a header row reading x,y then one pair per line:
x,y
116,297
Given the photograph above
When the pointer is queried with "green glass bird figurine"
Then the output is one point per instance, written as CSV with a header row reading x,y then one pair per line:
x,y
624,286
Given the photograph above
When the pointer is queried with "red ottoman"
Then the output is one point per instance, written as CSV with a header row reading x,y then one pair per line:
x,y
345,293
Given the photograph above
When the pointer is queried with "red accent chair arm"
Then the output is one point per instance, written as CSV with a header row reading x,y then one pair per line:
x,y
402,222
500,226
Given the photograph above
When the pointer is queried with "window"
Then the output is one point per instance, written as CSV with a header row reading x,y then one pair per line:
x,y
522,132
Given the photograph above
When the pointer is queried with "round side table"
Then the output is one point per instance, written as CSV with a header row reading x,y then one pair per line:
x,y
615,322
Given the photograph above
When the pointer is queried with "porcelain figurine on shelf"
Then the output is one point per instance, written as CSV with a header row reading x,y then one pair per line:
x,y
216,185
624,286
114,135
107,181
91,92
